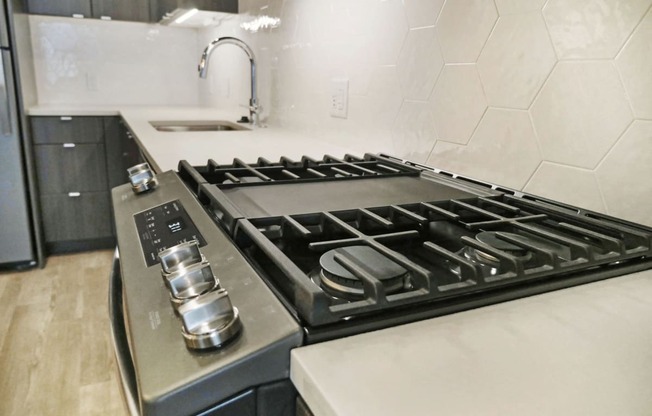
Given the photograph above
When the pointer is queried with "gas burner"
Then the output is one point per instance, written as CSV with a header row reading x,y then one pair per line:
x,y
487,262
337,281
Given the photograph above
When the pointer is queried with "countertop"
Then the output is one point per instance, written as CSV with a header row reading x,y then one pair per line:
x,y
585,350
164,149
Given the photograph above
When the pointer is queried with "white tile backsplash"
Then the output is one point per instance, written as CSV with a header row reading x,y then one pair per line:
x,y
458,102
551,96
568,184
580,113
624,175
90,61
635,66
516,60
463,28
419,63
589,29
503,150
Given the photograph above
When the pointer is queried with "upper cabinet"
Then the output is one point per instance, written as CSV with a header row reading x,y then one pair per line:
x,y
132,10
162,8
60,7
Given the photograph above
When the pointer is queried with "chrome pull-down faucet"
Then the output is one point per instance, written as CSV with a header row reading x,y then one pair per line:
x,y
254,108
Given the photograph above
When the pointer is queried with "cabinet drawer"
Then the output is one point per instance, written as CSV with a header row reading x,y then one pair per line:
x,y
51,130
76,217
70,168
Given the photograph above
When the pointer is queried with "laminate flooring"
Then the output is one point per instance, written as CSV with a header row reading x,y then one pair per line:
x,y
55,350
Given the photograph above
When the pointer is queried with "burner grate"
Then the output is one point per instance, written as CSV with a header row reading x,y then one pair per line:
x,y
432,241
286,170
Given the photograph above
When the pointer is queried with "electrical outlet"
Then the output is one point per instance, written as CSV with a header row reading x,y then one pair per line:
x,y
339,97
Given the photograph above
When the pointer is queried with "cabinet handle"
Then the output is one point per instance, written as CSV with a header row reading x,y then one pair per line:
x,y
74,194
66,118
69,145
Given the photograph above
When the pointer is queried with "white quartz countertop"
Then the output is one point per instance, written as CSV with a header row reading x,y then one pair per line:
x,y
579,351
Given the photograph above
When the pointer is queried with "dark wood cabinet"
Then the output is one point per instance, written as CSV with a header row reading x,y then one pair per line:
x,y
160,8
122,151
60,7
130,10
74,222
78,161
71,167
133,10
65,129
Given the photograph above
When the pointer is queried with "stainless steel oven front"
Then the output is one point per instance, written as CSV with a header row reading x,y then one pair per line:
x,y
168,358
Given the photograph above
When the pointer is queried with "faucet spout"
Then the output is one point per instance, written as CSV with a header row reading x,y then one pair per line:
x,y
254,108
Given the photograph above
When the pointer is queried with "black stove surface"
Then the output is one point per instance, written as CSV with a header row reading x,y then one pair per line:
x,y
348,253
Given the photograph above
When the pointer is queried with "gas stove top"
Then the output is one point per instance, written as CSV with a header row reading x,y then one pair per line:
x,y
355,244
223,269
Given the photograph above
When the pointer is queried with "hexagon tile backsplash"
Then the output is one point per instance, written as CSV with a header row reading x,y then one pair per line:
x,y
553,97
550,97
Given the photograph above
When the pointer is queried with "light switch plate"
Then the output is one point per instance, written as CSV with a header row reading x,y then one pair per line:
x,y
339,97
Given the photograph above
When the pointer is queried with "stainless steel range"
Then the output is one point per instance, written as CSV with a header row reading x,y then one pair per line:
x,y
223,269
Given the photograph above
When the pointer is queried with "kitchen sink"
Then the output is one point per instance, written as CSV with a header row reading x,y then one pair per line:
x,y
196,125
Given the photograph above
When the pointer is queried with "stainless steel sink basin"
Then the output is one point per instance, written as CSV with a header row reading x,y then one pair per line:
x,y
196,125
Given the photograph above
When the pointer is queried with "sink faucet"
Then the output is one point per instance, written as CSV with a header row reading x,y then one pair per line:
x,y
254,108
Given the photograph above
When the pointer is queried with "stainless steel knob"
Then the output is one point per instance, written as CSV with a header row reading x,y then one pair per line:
x,y
209,320
179,257
142,178
190,282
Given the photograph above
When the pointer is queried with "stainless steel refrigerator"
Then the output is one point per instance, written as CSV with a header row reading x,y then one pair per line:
x,y
20,244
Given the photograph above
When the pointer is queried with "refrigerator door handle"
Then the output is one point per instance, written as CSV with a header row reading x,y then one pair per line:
x,y
6,126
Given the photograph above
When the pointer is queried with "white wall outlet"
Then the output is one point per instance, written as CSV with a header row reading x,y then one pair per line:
x,y
339,97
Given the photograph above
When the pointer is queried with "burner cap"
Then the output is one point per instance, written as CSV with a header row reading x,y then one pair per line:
x,y
340,282
491,238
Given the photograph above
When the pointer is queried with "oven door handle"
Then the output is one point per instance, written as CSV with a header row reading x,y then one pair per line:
x,y
119,338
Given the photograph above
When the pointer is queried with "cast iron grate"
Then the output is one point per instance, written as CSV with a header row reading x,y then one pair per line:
x,y
432,241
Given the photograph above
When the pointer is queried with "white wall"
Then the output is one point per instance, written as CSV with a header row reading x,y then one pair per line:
x,y
551,97
94,62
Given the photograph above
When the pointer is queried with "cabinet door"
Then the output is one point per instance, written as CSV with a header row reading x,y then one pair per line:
x,y
122,151
60,168
227,6
160,7
48,130
134,10
76,216
60,7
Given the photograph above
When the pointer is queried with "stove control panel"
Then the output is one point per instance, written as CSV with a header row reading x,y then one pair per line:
x,y
208,317
165,226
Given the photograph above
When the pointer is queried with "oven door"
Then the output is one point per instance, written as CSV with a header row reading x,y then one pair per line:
x,y
119,338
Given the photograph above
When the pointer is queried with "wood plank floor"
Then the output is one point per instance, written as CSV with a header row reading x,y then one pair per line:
x,y
55,349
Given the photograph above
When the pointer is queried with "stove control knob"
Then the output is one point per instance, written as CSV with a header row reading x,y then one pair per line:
x,y
177,258
191,282
209,320
142,178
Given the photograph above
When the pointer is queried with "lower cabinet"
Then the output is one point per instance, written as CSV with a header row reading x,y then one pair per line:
x,y
78,161
79,216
